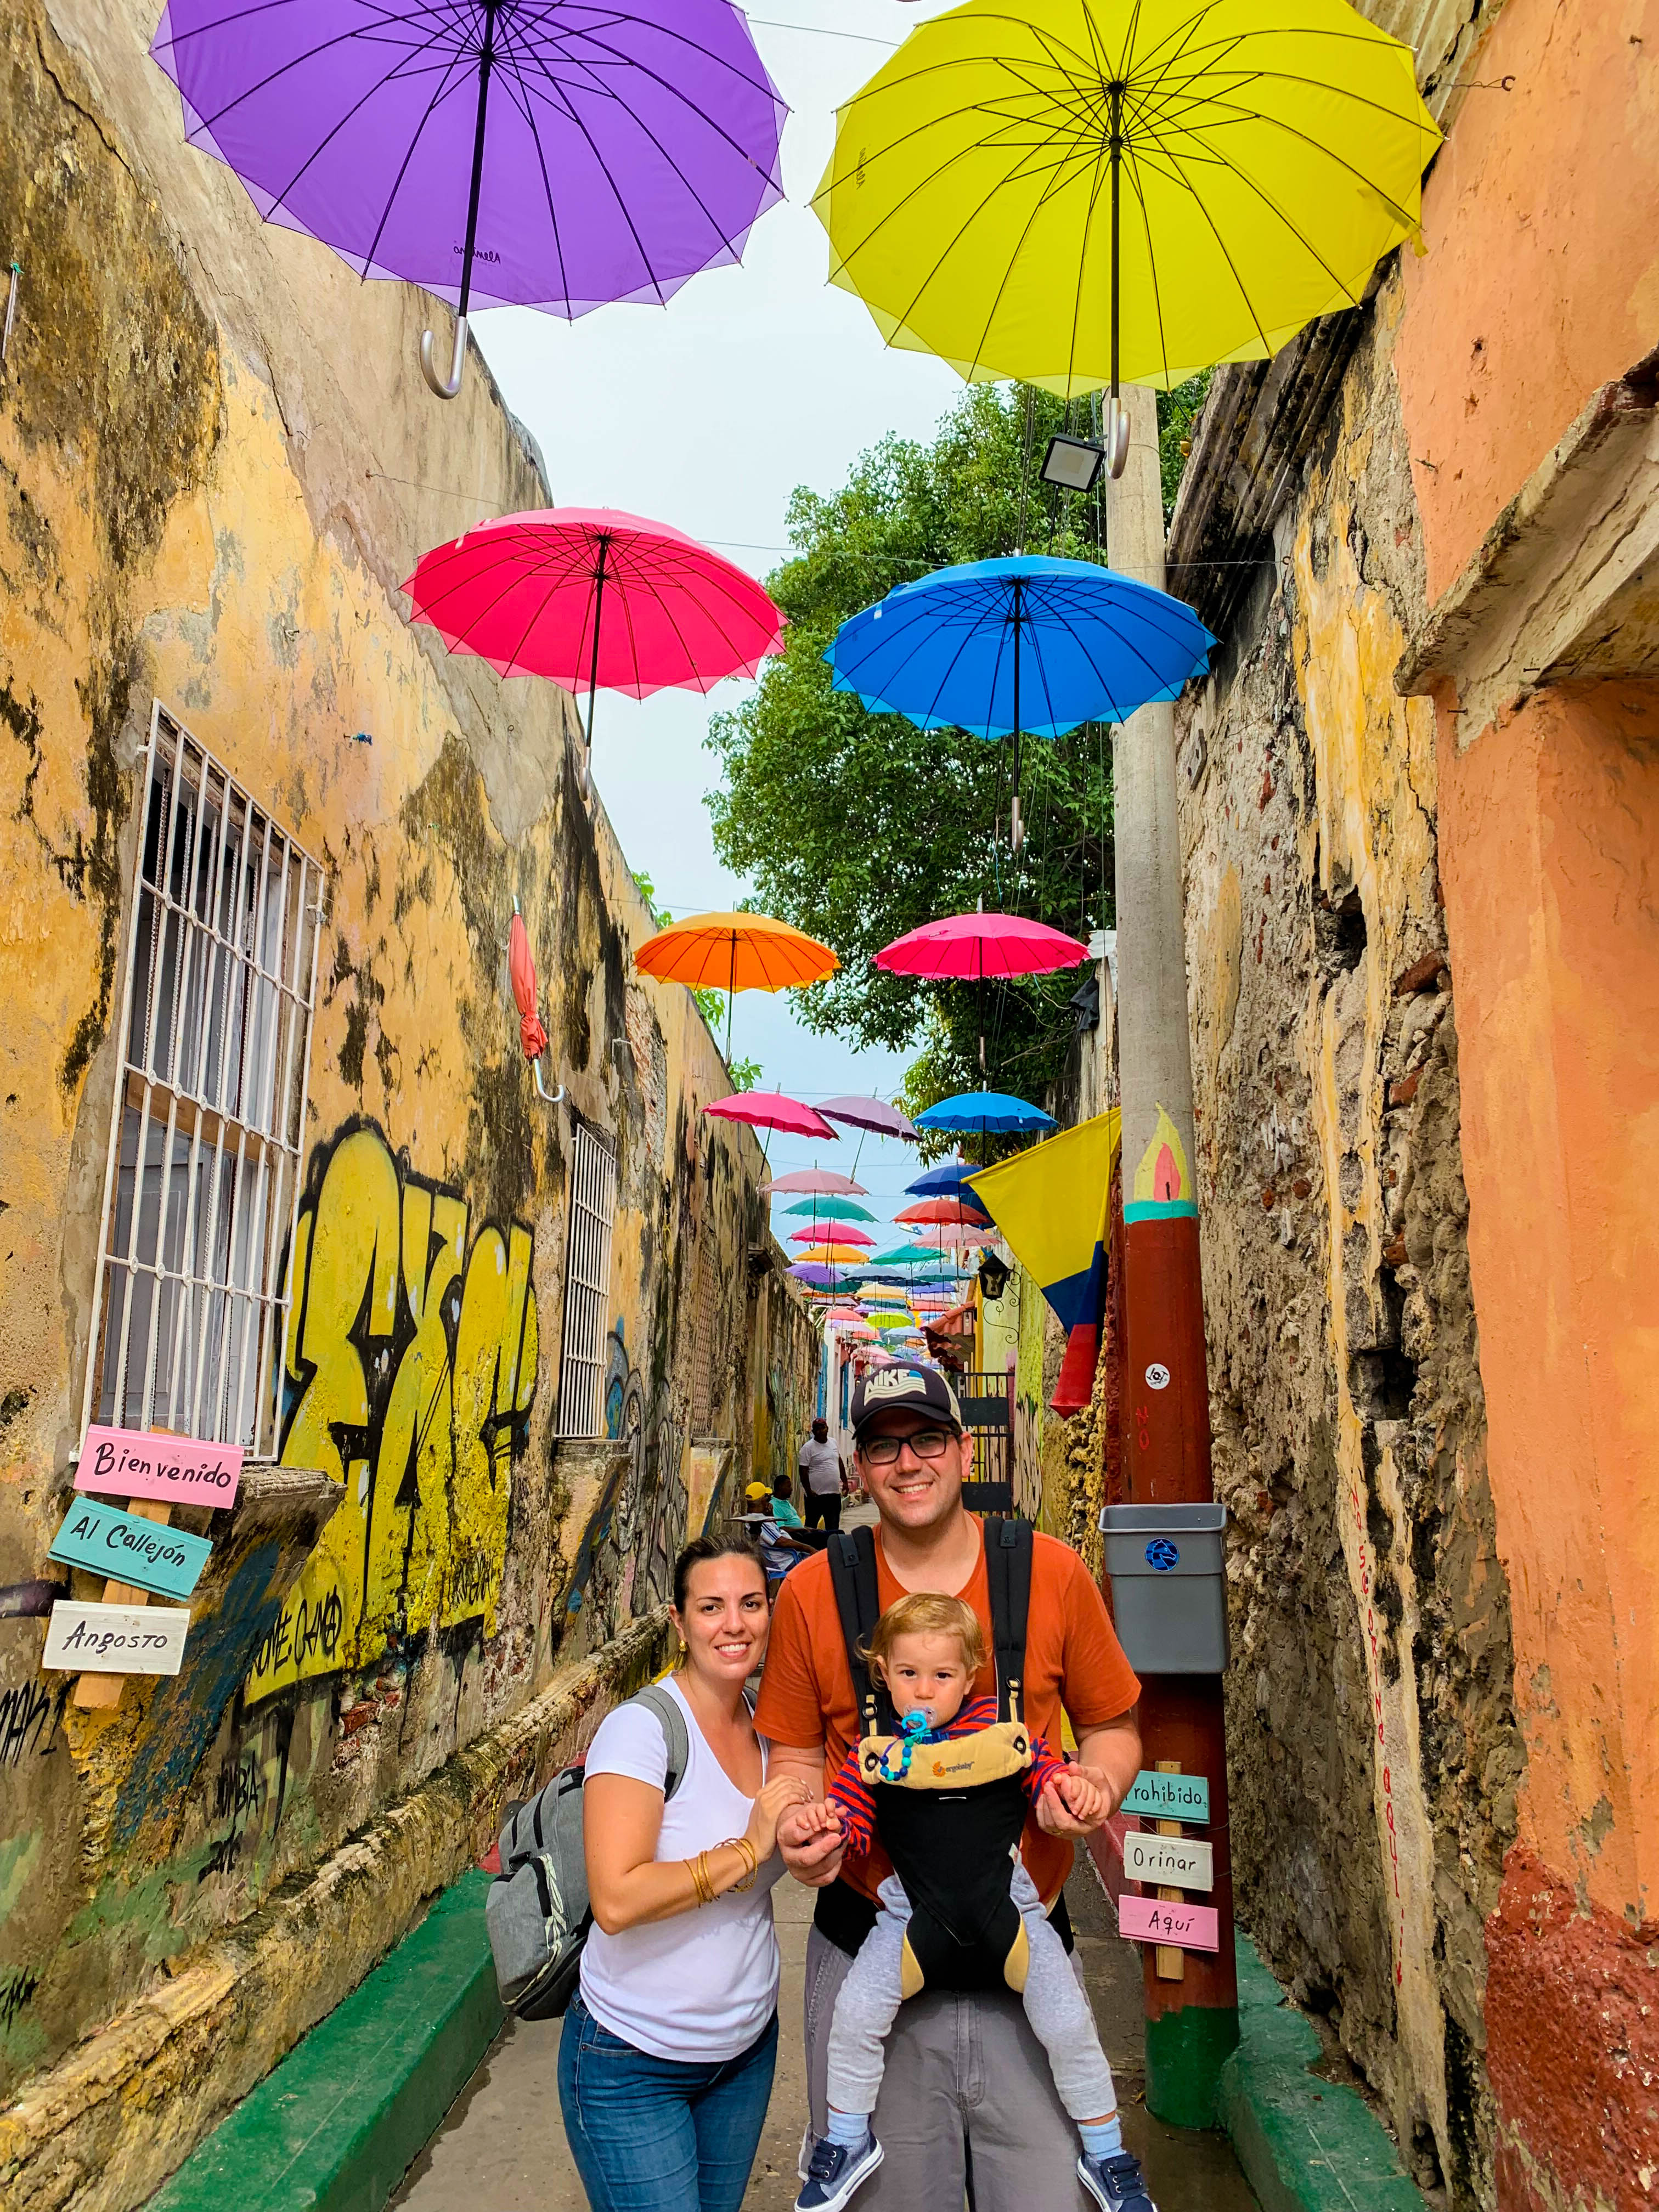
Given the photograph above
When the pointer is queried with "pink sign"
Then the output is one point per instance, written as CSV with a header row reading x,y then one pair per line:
x,y
127,1463
1151,1920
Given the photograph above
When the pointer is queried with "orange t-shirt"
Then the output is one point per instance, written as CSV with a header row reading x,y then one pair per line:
x,y
1073,1658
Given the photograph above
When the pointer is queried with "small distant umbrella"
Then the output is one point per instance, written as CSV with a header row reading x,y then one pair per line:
x,y
770,1110
931,1211
831,1208
733,952
833,1255
844,1232
909,1256
813,1271
945,1180
815,1179
874,1115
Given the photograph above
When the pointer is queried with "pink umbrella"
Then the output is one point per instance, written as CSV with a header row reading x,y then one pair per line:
x,y
971,946
823,1181
531,594
770,1110
843,1233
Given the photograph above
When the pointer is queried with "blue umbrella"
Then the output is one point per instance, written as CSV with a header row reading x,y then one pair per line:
x,y
990,1112
1029,645
945,1180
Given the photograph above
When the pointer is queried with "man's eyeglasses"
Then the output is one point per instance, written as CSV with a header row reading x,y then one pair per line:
x,y
926,1444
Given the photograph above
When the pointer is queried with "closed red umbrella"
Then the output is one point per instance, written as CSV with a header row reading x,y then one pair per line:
x,y
521,969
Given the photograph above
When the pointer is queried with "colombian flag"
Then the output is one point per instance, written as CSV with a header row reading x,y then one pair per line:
x,y
1051,1206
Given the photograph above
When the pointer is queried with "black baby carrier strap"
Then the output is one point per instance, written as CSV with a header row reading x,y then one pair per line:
x,y
951,1846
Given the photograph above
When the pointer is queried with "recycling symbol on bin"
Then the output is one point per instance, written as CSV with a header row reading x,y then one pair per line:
x,y
1162,1555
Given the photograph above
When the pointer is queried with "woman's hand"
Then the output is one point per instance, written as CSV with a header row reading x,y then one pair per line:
x,y
1073,1804
776,1799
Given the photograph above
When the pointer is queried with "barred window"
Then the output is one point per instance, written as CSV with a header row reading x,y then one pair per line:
x,y
587,1285
203,1180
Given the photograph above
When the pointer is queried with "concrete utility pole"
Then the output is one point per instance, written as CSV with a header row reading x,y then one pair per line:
x,y
1192,2023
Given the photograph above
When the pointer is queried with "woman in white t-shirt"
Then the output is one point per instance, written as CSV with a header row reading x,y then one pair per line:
x,y
665,2061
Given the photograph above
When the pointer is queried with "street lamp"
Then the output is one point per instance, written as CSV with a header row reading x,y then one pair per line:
x,y
993,1276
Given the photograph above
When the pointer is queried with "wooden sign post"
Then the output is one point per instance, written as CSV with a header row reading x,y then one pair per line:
x,y
152,1470
1169,1961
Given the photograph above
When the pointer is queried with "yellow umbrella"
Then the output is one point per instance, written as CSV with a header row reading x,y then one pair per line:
x,y
1070,190
831,1256
734,952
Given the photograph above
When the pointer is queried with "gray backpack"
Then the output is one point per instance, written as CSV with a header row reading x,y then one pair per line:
x,y
537,1912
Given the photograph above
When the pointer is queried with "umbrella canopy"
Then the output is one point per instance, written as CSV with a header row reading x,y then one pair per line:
x,y
553,157
814,1179
1023,646
813,1271
596,599
734,952
844,1232
1273,152
829,1208
935,1209
988,1111
946,1179
908,1254
770,1110
974,945
832,1256
874,1115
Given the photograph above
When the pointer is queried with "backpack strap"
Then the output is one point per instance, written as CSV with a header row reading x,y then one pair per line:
x,y
852,1554
671,1721
1008,1572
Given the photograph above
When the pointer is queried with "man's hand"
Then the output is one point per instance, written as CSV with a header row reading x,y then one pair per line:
x,y
1074,1804
809,1837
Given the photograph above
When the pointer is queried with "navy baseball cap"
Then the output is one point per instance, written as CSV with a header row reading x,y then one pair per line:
x,y
920,1390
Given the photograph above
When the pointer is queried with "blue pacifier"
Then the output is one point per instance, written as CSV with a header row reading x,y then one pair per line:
x,y
914,1728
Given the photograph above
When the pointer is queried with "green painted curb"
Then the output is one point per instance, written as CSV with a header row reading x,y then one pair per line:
x,y
1306,2144
1186,2052
335,2127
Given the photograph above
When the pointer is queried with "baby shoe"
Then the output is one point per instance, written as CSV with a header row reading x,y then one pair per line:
x,y
1114,2183
834,2172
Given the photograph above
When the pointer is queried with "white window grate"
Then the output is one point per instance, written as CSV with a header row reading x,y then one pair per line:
x,y
587,1285
203,1182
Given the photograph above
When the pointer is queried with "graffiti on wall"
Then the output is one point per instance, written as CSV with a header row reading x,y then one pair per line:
x,y
408,1375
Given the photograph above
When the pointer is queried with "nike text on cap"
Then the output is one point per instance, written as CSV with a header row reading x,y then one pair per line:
x,y
920,1390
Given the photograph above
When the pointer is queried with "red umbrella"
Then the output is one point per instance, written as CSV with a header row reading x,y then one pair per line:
x,y
593,596
843,1232
770,1110
521,968
944,1209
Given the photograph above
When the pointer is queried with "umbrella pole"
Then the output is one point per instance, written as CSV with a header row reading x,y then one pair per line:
x,y
731,994
1015,832
486,63
593,666
1117,422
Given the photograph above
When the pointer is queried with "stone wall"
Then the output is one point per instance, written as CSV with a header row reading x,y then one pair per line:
x,y
1373,1753
218,463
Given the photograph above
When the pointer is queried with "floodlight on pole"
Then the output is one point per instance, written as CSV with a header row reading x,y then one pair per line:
x,y
1073,463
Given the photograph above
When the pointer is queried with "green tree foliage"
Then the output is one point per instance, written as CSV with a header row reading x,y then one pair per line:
x,y
1177,411
857,827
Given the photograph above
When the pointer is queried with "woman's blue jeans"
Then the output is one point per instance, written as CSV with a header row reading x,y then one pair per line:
x,y
661,2135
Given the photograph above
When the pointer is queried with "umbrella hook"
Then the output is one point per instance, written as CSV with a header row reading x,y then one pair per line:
x,y
486,63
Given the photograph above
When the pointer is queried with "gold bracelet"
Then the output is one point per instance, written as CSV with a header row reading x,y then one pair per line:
x,y
751,1861
702,1888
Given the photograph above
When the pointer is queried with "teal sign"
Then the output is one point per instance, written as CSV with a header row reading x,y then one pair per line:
x,y
1169,1796
102,1538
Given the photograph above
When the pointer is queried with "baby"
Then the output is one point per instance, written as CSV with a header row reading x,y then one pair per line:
x,y
926,1650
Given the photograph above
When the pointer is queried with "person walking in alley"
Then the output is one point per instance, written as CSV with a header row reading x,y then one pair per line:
x,y
822,1478
959,2059
667,2053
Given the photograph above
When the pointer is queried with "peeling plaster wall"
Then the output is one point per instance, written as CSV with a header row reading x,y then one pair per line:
x,y
213,443
1373,1752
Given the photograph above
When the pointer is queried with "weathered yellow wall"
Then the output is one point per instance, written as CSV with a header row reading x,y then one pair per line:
x,y
212,442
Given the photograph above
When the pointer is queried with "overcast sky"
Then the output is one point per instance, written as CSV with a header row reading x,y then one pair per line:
x,y
707,414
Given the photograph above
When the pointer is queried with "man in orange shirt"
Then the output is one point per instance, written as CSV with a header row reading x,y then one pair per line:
x,y
963,2069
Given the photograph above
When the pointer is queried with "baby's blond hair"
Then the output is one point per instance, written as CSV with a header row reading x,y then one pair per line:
x,y
924,1613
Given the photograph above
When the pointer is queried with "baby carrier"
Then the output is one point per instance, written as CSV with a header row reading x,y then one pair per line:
x,y
951,1815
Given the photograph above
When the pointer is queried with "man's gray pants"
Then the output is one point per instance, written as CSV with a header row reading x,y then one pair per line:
x,y
958,2068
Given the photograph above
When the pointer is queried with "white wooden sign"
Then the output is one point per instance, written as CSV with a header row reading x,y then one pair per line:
x,y
117,1639
1175,1862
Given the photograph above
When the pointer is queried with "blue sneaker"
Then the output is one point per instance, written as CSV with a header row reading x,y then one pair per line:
x,y
836,2172
1115,2182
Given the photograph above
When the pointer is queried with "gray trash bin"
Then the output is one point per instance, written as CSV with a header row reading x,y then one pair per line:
x,y
1168,1591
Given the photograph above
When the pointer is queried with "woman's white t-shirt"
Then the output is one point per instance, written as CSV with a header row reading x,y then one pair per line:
x,y
703,1985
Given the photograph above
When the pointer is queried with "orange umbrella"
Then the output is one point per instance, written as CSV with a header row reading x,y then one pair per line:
x,y
733,952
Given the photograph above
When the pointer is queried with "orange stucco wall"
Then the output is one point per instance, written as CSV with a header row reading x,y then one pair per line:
x,y
1544,194
1550,855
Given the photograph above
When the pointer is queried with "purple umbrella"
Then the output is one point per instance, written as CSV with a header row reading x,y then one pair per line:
x,y
873,1114
551,154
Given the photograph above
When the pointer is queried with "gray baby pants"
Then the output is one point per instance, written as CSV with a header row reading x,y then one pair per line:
x,y
1056,2005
